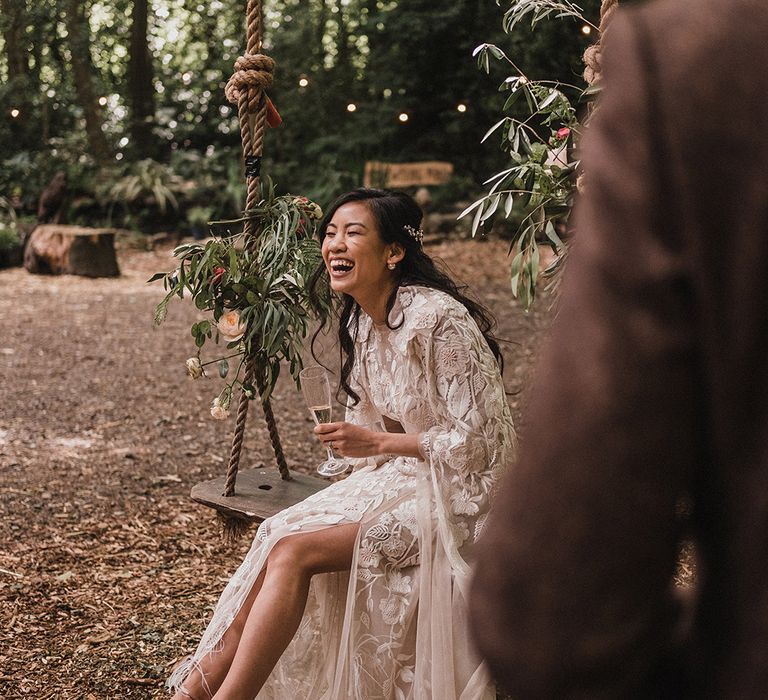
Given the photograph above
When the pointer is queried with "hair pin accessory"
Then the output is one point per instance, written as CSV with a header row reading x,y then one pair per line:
x,y
416,233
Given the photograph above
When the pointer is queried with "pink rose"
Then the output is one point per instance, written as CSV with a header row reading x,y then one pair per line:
x,y
563,133
231,327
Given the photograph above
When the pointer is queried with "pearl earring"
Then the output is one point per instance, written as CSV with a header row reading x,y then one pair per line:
x,y
391,266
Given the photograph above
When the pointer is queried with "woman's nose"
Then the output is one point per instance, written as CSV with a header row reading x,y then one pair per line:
x,y
338,243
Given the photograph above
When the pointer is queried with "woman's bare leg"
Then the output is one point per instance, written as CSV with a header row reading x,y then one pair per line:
x,y
205,680
277,609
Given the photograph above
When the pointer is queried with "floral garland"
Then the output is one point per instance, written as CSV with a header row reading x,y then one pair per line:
x,y
255,290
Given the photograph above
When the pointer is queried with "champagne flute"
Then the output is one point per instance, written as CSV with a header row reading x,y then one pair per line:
x,y
317,393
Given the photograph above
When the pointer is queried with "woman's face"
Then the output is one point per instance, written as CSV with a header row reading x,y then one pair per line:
x,y
356,256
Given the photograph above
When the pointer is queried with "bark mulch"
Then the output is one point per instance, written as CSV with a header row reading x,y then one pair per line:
x,y
108,571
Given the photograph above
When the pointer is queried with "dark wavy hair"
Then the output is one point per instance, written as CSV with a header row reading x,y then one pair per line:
x,y
392,211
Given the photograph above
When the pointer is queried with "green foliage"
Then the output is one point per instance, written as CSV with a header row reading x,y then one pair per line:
x,y
386,58
147,181
256,282
537,10
537,132
215,181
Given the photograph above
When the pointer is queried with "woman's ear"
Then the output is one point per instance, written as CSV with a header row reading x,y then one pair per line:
x,y
396,253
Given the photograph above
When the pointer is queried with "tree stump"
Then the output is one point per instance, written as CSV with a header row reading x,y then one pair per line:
x,y
71,250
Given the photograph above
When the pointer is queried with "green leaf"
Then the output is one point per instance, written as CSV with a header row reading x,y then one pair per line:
x,y
492,208
551,233
513,96
470,208
477,219
161,311
508,205
493,128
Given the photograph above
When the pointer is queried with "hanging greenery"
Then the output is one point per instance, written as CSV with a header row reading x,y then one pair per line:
x,y
256,294
540,182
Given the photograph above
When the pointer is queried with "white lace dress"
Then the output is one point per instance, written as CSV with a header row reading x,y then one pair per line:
x,y
394,627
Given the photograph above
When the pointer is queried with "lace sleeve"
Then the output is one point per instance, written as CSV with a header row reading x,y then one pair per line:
x,y
474,427
472,437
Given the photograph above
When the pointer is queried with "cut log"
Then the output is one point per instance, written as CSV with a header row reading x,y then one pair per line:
x,y
71,250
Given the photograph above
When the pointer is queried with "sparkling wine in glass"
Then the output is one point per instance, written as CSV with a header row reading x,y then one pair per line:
x,y
317,393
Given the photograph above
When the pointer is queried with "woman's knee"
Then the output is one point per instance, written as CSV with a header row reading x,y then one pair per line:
x,y
309,553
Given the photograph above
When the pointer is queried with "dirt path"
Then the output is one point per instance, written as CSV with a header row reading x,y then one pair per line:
x,y
107,570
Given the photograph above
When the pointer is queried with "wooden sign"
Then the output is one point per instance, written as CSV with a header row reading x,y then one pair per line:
x,y
430,172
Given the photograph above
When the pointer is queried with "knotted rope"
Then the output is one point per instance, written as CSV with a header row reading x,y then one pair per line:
x,y
252,72
246,88
593,55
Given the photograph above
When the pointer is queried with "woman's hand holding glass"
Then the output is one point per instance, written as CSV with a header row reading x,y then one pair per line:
x,y
349,440
317,393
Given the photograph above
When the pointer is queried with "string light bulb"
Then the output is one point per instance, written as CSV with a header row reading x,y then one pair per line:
x,y
586,30
351,107
102,101
303,81
15,113
461,107
403,117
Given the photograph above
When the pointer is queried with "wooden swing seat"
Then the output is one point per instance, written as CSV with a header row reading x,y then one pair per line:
x,y
259,494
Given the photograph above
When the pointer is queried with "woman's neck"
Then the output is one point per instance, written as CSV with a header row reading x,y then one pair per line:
x,y
376,305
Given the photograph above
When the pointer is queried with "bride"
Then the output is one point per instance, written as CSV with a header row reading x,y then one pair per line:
x,y
360,590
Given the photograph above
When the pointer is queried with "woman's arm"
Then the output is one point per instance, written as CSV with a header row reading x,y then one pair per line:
x,y
355,441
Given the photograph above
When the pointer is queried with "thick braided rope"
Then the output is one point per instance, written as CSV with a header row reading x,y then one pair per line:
x,y
237,440
253,74
274,437
592,56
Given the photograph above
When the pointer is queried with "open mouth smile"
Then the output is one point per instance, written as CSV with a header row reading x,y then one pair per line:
x,y
340,267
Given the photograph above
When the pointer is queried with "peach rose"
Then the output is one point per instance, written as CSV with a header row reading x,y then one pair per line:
x,y
231,327
218,410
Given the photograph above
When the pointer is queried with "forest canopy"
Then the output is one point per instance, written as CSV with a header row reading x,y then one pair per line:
x,y
129,94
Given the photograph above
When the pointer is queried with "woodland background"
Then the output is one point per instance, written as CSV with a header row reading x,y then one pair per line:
x,y
127,98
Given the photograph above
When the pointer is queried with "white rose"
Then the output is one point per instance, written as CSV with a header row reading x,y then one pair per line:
x,y
219,411
230,326
194,368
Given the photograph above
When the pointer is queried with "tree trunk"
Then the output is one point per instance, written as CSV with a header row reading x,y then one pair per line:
x,y
141,90
83,72
342,42
13,22
18,98
322,18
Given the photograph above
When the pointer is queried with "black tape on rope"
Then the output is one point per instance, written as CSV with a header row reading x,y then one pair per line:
x,y
252,166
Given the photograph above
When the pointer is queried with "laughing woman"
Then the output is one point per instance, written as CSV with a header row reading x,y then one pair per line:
x,y
359,591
